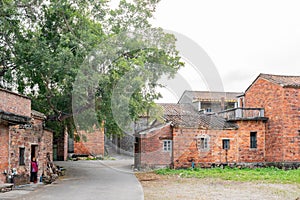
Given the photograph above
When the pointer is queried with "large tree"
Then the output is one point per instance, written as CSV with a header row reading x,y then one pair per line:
x,y
50,43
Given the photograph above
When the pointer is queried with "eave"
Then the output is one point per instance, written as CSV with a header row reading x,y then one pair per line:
x,y
13,119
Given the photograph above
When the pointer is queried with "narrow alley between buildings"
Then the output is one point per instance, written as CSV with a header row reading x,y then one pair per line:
x,y
105,179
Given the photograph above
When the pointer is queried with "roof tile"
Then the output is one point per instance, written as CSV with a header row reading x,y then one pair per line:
x,y
284,81
185,116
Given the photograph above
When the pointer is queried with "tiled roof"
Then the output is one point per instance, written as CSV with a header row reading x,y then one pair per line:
x,y
186,116
201,121
177,109
211,95
284,81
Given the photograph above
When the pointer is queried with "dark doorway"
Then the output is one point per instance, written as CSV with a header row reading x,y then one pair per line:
x,y
33,151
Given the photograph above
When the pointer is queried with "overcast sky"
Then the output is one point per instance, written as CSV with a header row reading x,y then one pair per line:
x,y
242,37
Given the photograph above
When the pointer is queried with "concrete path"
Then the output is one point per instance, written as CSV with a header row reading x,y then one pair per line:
x,y
87,180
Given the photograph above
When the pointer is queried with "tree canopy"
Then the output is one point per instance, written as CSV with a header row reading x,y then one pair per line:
x,y
54,51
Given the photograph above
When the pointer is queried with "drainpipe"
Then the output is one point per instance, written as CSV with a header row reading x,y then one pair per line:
x,y
265,131
172,153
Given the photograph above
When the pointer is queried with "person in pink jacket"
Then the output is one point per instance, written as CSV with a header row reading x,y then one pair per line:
x,y
34,170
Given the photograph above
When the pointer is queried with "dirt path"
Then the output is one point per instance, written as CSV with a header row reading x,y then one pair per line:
x,y
173,187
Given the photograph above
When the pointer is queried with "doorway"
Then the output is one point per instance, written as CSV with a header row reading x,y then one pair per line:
x,y
33,150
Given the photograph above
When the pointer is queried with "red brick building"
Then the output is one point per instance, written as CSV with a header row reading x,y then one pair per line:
x,y
22,136
265,129
280,98
80,143
89,143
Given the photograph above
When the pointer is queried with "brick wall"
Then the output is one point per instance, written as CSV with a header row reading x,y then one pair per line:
x,y
61,144
66,137
245,153
25,138
90,143
60,148
186,148
4,138
151,148
15,103
291,124
282,108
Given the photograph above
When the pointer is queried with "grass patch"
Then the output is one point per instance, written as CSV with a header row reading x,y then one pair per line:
x,y
267,175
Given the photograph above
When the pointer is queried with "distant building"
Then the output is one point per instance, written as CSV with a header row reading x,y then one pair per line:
x,y
262,128
210,102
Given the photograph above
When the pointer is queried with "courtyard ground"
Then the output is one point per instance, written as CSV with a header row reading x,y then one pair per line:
x,y
174,187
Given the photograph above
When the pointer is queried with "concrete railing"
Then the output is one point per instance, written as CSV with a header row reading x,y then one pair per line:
x,y
242,113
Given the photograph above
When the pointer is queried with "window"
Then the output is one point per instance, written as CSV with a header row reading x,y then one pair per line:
x,y
253,140
202,143
22,156
208,110
226,144
167,145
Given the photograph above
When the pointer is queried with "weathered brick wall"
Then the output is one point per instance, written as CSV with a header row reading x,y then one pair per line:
x,y
25,138
15,103
186,149
60,145
151,149
4,138
90,143
282,108
245,153
48,144
66,143
291,124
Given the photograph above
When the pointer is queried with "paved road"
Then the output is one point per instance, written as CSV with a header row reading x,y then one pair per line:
x,y
87,180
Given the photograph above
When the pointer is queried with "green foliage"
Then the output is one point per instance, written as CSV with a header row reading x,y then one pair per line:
x,y
47,44
267,175
77,138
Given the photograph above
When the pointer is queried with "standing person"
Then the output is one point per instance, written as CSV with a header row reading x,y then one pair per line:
x,y
34,170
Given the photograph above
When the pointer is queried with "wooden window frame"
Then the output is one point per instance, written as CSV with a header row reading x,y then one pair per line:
x,y
226,144
253,140
21,156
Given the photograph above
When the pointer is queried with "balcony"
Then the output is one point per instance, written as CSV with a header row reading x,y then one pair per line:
x,y
243,114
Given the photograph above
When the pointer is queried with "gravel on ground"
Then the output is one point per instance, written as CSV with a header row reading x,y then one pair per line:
x,y
175,187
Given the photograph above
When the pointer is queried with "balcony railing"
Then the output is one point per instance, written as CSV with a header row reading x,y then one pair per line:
x,y
243,114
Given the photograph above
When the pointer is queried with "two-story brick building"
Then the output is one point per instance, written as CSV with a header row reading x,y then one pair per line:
x,y
280,98
22,136
263,129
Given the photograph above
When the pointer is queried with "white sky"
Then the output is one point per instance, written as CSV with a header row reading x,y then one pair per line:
x,y
242,37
